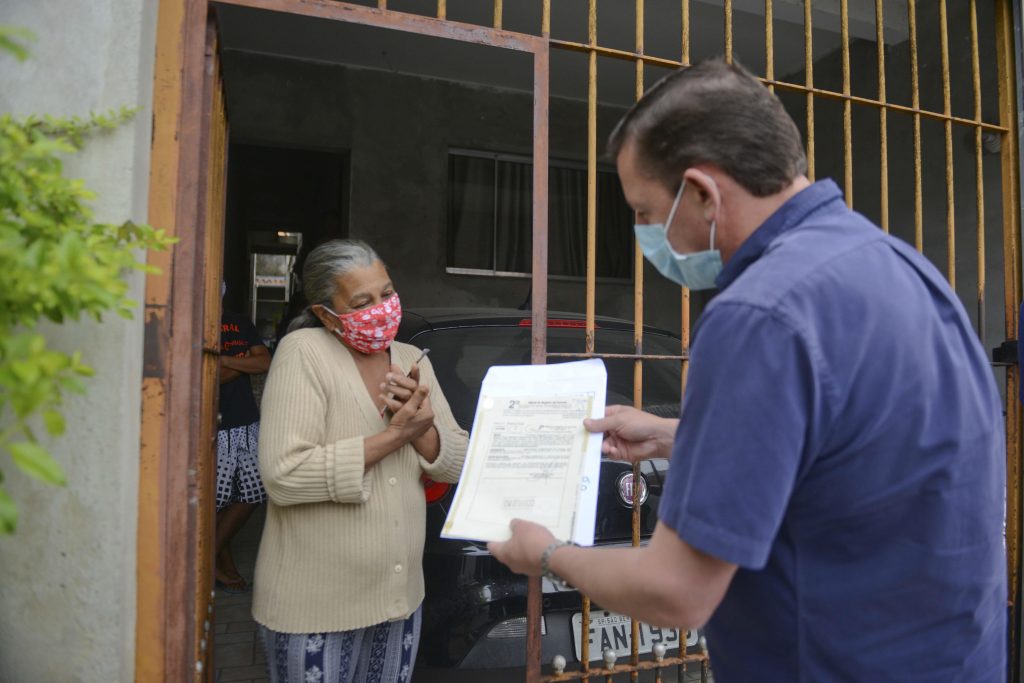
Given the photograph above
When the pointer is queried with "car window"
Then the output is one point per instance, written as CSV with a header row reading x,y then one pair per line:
x,y
461,357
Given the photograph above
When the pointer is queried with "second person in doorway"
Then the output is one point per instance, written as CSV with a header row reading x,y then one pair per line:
x,y
349,426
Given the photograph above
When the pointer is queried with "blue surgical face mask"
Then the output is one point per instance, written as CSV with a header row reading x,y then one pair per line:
x,y
696,271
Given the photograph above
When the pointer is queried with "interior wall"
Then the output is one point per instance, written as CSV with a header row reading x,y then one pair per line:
x,y
398,130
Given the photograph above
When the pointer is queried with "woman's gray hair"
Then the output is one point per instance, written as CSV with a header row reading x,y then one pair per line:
x,y
321,271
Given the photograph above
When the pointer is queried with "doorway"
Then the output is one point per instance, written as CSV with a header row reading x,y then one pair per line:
x,y
273,189
175,499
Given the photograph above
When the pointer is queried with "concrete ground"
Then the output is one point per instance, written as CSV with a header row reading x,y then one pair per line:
x,y
238,656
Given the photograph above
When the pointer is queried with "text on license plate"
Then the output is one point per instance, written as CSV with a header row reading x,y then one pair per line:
x,y
611,630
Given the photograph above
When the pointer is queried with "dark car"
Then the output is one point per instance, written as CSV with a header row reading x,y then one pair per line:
x,y
474,614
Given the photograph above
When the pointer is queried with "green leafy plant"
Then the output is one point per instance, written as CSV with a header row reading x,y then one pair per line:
x,y
57,263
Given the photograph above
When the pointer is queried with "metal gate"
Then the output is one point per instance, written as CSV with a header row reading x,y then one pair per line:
x,y
918,123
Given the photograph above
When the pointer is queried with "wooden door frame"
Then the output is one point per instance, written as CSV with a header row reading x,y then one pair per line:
x,y
165,630
169,523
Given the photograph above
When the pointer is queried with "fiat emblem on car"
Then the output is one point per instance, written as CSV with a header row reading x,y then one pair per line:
x,y
624,487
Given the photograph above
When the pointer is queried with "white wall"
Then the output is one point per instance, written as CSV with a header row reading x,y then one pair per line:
x,y
67,578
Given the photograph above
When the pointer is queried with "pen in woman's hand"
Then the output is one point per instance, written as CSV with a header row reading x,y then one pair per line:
x,y
391,395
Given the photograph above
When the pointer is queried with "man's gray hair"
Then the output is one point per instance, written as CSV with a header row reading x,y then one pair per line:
x,y
320,274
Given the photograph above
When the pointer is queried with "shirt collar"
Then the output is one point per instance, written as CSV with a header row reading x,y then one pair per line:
x,y
785,218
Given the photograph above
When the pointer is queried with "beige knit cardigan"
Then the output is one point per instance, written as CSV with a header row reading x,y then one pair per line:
x,y
342,547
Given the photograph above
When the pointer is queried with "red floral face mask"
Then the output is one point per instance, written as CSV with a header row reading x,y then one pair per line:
x,y
370,330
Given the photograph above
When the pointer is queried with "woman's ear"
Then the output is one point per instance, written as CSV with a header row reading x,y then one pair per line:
x,y
322,315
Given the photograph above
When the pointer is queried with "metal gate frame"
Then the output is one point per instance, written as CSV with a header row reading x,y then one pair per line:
x,y
170,529
175,527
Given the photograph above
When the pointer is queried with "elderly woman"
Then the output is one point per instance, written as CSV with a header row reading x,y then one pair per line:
x,y
350,423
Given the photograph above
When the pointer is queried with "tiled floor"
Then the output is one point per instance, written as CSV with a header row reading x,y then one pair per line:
x,y
237,656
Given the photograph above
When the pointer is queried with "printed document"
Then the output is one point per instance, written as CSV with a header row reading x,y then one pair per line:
x,y
529,456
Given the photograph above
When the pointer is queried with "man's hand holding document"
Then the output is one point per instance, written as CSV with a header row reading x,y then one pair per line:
x,y
529,456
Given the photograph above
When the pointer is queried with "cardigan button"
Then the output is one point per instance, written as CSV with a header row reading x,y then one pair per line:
x,y
398,569
392,481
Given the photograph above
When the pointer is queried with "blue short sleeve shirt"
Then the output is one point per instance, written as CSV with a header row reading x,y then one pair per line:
x,y
841,441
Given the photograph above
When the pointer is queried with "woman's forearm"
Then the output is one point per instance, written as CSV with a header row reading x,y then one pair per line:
x,y
379,446
428,445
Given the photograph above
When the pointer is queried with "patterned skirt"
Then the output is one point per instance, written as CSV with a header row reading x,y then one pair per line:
x,y
384,653
238,467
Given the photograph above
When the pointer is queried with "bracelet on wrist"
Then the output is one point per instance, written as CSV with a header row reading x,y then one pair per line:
x,y
545,565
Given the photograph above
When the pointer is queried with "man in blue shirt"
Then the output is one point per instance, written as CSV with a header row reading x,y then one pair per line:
x,y
834,506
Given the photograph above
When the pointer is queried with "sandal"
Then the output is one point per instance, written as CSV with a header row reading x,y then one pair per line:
x,y
238,587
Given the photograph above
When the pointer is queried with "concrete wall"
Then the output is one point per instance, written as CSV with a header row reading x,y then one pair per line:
x,y
67,578
398,130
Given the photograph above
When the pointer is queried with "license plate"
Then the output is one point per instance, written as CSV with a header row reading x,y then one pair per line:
x,y
611,630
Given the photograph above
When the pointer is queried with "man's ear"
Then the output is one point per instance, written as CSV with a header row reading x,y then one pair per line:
x,y
707,191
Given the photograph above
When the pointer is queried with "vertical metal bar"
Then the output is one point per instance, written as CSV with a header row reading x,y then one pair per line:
x,y
211,204
728,31
979,172
769,43
541,70
497,13
686,32
915,96
639,44
540,205
847,105
809,82
591,240
947,110
638,369
1007,80
382,4
494,220
442,9
545,18
591,177
638,289
684,316
883,123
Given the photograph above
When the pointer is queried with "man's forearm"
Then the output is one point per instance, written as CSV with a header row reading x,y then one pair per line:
x,y
227,374
665,583
249,365
624,580
670,425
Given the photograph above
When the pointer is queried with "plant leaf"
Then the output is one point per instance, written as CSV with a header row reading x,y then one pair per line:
x,y
8,514
36,461
8,42
54,422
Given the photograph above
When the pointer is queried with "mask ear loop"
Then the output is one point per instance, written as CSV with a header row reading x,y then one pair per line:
x,y
336,330
714,223
675,205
